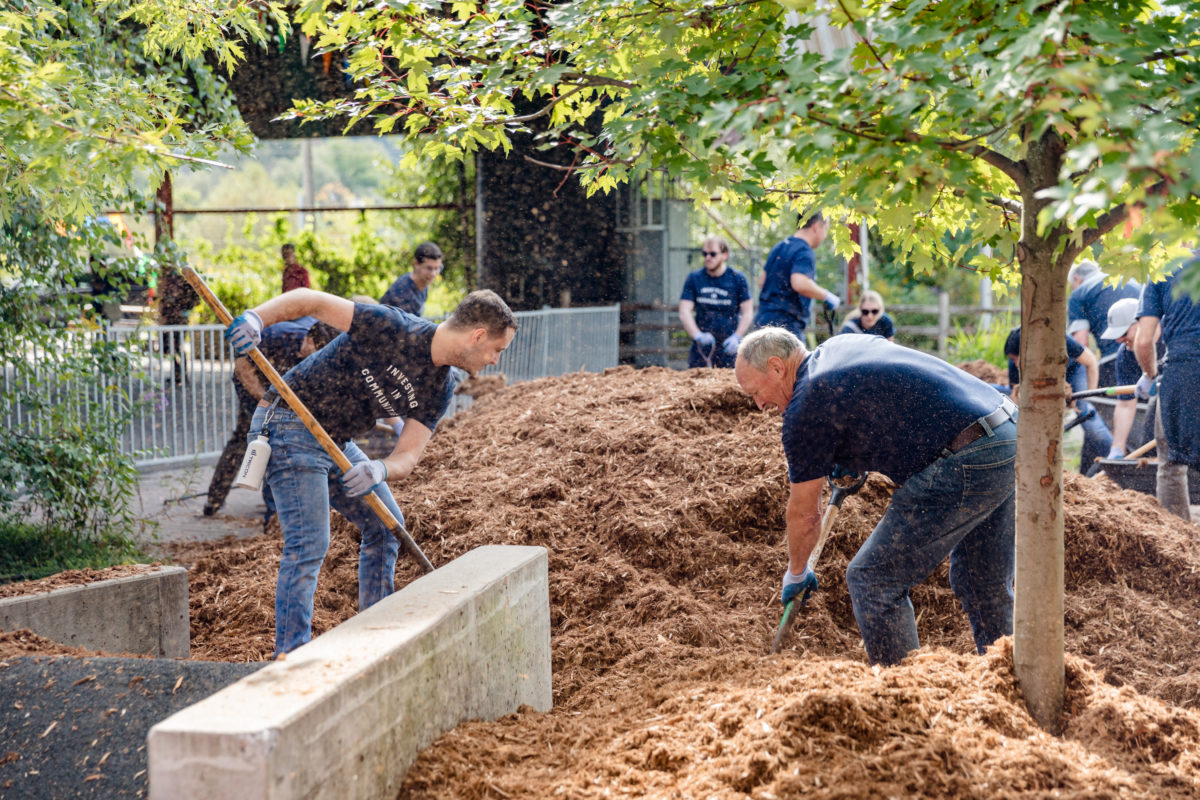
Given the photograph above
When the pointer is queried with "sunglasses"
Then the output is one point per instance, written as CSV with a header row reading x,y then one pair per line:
x,y
708,254
870,311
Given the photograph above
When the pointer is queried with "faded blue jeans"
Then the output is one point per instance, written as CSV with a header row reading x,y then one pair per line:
x,y
962,505
305,483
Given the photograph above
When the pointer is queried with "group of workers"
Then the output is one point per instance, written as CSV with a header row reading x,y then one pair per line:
x,y
858,403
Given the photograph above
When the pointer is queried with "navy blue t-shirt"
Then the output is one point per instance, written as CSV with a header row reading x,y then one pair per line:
x,y
280,344
404,295
1178,315
863,403
883,327
1012,347
1087,308
717,299
792,255
1128,370
381,368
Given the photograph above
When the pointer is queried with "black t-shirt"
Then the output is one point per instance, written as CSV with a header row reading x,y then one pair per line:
x,y
863,404
382,367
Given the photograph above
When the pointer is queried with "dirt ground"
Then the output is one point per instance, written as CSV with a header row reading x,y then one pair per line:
x,y
659,496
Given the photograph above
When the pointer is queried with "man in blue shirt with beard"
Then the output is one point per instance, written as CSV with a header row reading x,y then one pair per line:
x,y
715,307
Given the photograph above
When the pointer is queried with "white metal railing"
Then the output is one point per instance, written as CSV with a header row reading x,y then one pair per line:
x,y
181,390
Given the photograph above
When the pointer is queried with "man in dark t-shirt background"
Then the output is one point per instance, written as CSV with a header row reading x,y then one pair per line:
x,y
789,280
410,291
1083,372
715,307
859,404
388,363
284,344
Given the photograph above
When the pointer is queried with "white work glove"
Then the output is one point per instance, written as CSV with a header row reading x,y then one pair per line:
x,y
1115,453
705,339
362,478
244,332
832,301
731,344
1145,387
399,426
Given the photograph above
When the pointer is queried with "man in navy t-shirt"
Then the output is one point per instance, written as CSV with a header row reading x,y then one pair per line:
x,y
858,404
1087,311
789,280
284,344
388,363
715,307
1164,304
411,289
1122,329
1083,372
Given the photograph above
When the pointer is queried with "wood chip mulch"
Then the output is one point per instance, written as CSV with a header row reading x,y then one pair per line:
x,y
659,496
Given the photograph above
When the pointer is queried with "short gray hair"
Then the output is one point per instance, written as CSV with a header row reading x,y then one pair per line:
x,y
759,347
1083,270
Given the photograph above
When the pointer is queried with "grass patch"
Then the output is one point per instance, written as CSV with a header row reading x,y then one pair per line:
x,y
29,552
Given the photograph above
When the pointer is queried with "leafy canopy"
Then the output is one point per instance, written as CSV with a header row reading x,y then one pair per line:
x,y
91,106
935,117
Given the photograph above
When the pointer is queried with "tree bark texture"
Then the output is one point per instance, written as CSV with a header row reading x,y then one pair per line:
x,y
1038,639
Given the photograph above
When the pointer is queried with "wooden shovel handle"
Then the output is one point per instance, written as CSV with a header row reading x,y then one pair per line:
x,y
305,416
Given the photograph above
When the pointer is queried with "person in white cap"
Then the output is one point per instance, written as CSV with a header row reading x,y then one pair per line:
x,y
1122,330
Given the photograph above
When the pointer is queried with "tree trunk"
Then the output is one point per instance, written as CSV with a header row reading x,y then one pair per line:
x,y
1038,611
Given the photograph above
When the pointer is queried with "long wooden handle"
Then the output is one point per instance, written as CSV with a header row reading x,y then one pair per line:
x,y
831,510
1141,451
310,422
1105,391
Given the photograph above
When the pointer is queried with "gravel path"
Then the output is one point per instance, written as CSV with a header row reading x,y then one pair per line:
x,y
76,728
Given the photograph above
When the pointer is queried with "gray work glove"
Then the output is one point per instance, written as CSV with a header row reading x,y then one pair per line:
x,y
705,339
832,301
731,344
245,332
362,478
800,586
1145,387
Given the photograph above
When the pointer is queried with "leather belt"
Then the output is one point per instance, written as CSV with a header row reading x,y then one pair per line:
x,y
984,426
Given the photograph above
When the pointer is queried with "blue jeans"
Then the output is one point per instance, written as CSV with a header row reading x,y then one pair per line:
x,y
962,505
305,482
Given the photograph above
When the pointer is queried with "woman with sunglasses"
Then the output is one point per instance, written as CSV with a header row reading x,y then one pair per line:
x,y
869,318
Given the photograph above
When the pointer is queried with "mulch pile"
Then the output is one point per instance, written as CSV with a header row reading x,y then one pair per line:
x,y
659,496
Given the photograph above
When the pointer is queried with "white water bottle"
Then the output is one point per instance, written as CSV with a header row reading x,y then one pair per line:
x,y
254,464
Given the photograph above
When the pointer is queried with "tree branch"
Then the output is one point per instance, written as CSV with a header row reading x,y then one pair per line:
x,y
1106,222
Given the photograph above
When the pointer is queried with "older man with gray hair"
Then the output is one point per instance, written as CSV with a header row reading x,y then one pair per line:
x,y
858,404
1087,311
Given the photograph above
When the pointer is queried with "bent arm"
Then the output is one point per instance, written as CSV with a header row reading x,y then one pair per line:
x,y
1090,363
745,317
806,286
687,315
410,446
803,522
244,369
328,308
1144,341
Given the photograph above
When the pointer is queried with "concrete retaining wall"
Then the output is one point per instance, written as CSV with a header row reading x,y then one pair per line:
x,y
144,614
346,714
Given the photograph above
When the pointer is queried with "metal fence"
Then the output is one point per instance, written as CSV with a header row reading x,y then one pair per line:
x,y
180,393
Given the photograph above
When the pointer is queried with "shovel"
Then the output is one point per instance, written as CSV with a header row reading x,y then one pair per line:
x,y
308,419
842,487
1104,391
